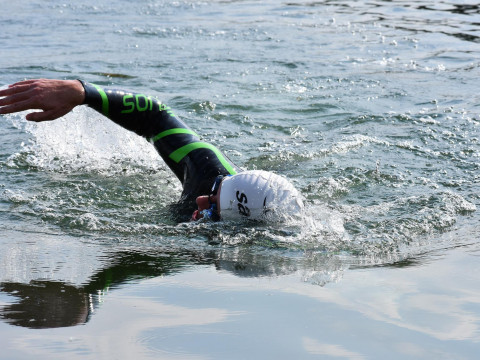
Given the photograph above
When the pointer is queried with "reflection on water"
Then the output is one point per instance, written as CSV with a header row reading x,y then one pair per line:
x,y
50,304
42,303
387,312
55,303
46,304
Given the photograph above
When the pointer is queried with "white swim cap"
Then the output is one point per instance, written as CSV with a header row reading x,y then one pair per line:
x,y
258,195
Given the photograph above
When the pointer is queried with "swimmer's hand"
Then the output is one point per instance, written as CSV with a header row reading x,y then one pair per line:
x,y
55,97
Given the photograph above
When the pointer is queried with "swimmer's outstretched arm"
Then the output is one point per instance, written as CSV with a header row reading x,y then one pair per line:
x,y
139,113
55,98
178,145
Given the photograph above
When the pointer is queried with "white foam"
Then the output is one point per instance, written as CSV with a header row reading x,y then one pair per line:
x,y
85,140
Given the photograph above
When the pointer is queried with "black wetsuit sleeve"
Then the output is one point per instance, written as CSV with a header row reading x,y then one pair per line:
x,y
194,162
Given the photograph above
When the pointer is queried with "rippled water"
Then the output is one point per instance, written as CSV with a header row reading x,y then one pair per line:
x,y
370,108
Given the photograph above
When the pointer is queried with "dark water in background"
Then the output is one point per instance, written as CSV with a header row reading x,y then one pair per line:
x,y
370,108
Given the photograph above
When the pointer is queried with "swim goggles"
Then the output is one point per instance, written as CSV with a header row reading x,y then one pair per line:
x,y
212,212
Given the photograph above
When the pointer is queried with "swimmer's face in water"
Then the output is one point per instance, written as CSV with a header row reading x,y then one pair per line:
x,y
209,205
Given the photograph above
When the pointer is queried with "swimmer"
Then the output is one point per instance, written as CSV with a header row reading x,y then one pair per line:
x,y
213,187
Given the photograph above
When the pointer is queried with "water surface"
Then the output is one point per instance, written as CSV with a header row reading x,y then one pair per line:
x,y
369,108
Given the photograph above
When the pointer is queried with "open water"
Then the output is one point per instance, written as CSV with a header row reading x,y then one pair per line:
x,y
371,108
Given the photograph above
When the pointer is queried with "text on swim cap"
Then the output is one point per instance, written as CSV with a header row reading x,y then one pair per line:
x,y
242,199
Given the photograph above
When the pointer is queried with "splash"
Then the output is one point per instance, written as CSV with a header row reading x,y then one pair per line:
x,y
83,141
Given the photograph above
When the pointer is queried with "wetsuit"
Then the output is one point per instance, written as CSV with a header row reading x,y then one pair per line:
x,y
195,163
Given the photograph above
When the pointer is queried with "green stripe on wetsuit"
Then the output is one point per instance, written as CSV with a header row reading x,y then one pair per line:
x,y
103,95
180,153
183,151
174,131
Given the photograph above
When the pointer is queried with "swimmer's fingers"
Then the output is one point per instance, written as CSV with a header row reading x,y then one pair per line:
x,y
18,97
14,89
15,106
47,115
25,82
14,96
40,116
23,85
